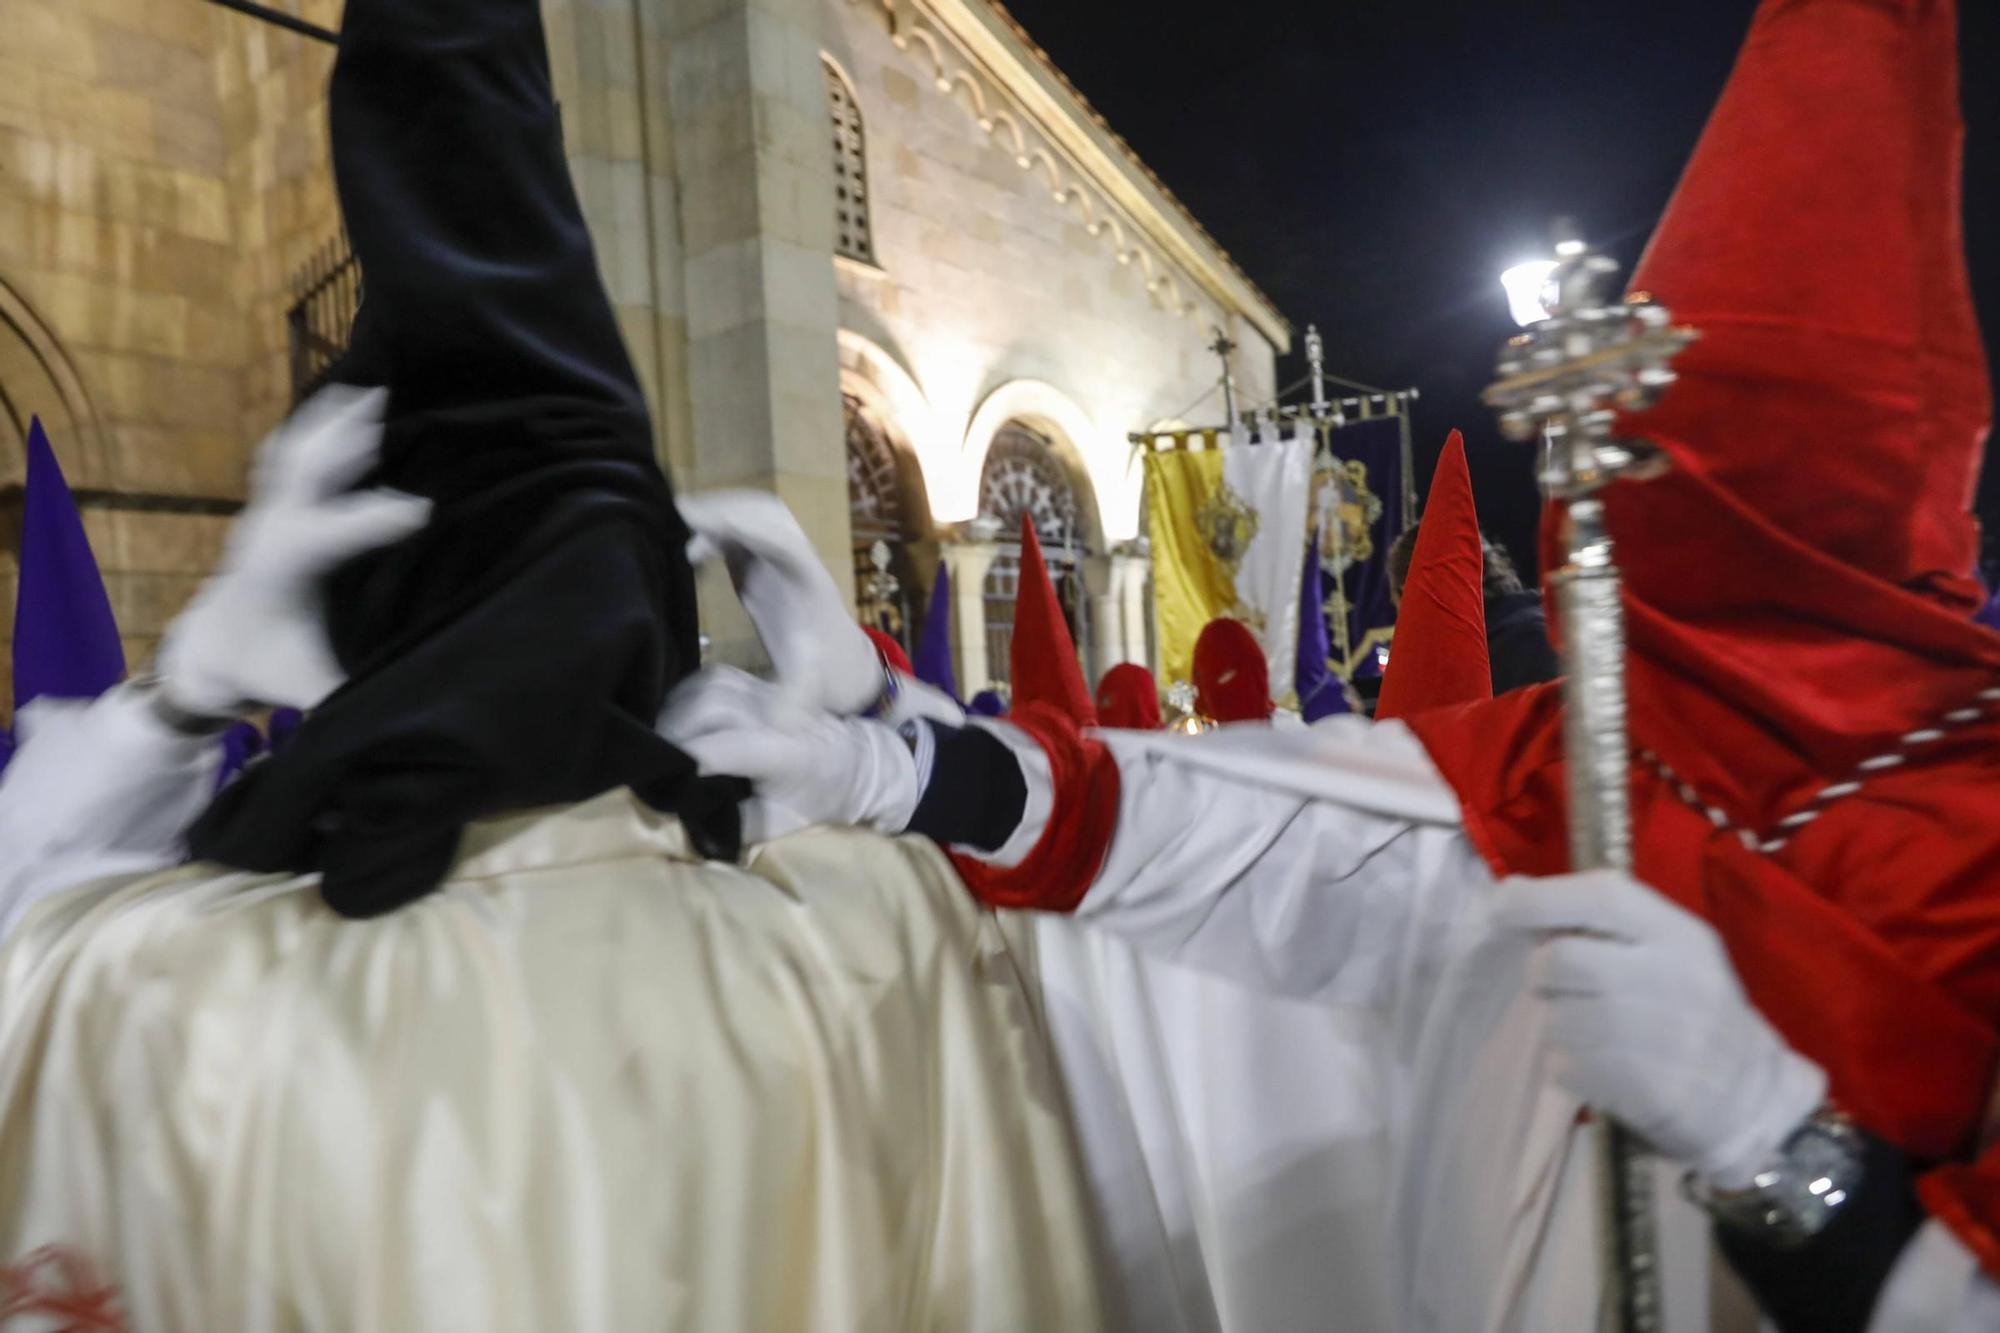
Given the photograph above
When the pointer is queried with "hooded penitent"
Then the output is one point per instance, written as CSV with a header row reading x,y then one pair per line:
x,y
987,703
933,655
1322,694
1815,719
65,640
1128,698
1043,658
516,653
1439,654
1232,681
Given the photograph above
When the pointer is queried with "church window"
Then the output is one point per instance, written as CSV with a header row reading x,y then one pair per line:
x,y
853,237
1023,476
882,569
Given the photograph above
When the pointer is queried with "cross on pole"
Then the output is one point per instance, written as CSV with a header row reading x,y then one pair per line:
x,y
1316,358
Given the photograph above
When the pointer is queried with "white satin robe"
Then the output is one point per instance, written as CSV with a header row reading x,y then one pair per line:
x,y
1327,866
591,1085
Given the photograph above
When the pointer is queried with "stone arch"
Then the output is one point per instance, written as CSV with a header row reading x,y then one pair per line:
x,y
880,382
38,378
1026,472
1073,437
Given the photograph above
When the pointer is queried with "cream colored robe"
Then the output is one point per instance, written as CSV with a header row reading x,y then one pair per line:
x,y
589,1085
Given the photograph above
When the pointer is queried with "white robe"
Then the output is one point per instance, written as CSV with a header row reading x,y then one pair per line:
x,y
1328,866
1325,866
590,1085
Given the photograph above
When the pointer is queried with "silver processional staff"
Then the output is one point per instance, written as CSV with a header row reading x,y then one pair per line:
x,y
1564,381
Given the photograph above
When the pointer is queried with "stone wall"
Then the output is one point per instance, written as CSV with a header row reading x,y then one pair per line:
x,y
164,177
162,174
985,280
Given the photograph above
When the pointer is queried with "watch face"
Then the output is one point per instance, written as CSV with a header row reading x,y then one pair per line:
x,y
1823,1166
1801,1193
1819,1169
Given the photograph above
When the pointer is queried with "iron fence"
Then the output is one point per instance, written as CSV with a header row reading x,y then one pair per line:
x,y
325,295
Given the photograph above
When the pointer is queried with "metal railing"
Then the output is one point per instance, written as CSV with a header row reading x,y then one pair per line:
x,y
325,295
1002,591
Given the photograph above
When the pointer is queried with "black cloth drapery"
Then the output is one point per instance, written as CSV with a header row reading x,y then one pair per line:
x,y
515,653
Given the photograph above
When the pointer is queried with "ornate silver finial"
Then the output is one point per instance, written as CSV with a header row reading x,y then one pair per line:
x,y
1568,375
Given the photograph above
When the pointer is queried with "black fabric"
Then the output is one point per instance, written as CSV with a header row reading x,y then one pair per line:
x,y
1517,642
1831,1284
516,653
977,795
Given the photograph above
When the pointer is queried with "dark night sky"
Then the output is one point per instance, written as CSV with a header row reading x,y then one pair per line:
x,y
1374,164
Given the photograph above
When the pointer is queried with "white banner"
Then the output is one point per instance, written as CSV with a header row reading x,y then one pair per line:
x,y
1275,482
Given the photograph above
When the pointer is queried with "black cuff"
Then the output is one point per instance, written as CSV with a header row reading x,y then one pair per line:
x,y
1831,1284
976,796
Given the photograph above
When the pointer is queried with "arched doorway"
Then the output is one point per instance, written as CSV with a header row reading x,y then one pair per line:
x,y
1024,475
883,527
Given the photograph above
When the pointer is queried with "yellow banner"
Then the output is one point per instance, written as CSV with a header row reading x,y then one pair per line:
x,y
1190,586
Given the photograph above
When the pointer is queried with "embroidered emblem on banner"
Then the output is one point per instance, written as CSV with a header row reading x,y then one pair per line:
x,y
1228,525
1347,512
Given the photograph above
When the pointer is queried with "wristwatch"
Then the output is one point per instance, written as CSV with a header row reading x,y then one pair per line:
x,y
1800,1193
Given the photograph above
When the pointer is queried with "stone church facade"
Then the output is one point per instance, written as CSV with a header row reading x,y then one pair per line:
x,y
875,255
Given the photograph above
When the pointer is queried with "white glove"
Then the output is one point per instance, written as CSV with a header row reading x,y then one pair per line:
x,y
256,632
818,651
1936,1287
1649,1024
918,701
808,767
97,788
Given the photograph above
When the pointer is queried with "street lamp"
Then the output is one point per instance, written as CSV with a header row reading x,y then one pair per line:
x,y
1530,295
1528,290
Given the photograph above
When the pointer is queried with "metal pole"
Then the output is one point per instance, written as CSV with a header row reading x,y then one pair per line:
x,y
1316,358
1409,453
281,19
1590,604
1343,637
1561,381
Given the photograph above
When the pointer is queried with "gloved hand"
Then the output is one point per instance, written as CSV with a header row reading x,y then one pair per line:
x,y
98,787
818,651
1650,1025
256,633
916,701
807,766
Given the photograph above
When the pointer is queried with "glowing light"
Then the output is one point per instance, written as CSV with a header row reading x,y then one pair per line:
x,y
1527,290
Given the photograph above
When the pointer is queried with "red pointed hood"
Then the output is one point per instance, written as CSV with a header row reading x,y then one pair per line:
x,y
1044,664
1439,654
1232,680
1129,698
1815,719
890,651
1816,243
1800,585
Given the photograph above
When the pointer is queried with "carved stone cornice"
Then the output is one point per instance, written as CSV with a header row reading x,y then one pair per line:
x,y
973,52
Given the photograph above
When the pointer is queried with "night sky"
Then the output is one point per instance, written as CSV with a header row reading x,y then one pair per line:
x,y
1375,164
